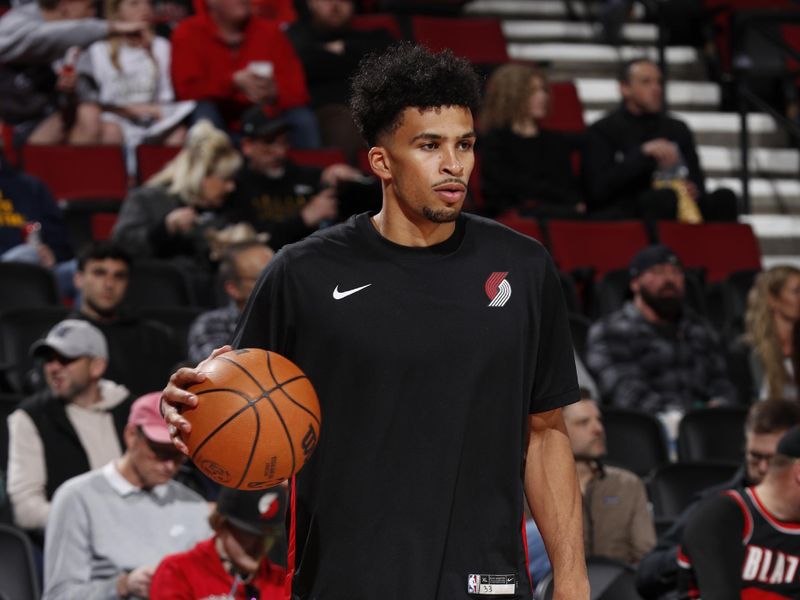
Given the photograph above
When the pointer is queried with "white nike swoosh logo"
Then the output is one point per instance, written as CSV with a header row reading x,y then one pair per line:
x,y
337,295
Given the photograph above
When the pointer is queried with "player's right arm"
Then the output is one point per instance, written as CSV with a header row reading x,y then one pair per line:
x,y
176,396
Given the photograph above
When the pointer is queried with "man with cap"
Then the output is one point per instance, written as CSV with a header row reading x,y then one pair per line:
x,y
655,353
72,426
286,200
110,527
233,564
746,543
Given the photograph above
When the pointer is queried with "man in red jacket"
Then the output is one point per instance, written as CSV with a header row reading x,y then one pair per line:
x,y
229,59
233,564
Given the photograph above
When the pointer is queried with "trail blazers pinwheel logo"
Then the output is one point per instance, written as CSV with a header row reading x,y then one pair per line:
x,y
498,289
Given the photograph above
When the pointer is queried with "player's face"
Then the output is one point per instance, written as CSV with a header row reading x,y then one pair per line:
x,y
67,377
585,429
786,304
539,101
759,449
642,91
428,162
152,462
103,284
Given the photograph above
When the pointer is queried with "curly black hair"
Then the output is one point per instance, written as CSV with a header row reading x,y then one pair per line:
x,y
404,76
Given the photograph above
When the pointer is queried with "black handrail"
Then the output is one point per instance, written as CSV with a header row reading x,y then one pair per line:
x,y
755,21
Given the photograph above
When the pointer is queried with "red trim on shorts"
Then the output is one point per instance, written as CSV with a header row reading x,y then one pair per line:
x,y
684,561
290,555
782,526
527,557
748,518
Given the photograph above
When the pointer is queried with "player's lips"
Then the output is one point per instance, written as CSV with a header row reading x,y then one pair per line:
x,y
450,192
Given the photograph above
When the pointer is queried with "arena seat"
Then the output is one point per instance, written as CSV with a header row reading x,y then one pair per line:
x,y
172,284
673,486
378,21
635,440
177,318
322,157
18,579
151,158
26,285
720,248
102,223
79,173
8,404
579,330
712,434
527,225
479,40
599,246
566,109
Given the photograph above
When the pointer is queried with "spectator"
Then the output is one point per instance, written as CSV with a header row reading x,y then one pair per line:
x,y
230,59
773,324
522,165
766,423
655,354
39,98
141,352
745,544
27,207
330,50
640,162
72,426
232,564
239,271
168,216
133,85
284,199
617,522
113,525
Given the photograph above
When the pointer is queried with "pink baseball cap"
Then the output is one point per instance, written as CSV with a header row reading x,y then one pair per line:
x,y
145,413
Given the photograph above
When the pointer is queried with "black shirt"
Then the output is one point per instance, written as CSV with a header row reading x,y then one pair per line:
x,y
426,372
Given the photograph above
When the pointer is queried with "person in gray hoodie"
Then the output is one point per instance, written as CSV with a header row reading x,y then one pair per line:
x,y
40,42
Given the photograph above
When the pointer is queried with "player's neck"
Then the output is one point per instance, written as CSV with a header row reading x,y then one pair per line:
x,y
397,227
777,502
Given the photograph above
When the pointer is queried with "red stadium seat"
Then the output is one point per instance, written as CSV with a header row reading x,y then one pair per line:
x,y
378,21
481,41
601,246
527,225
101,224
150,159
322,158
79,172
566,109
720,248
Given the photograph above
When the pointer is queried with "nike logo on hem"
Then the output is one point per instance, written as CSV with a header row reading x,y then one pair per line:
x,y
337,295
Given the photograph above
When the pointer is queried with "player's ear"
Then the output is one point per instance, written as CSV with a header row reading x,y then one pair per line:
x,y
379,162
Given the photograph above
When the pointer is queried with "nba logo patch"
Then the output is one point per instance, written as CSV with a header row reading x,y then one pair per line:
x,y
473,584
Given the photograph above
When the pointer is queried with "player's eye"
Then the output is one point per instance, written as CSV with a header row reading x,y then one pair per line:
x,y
430,146
465,145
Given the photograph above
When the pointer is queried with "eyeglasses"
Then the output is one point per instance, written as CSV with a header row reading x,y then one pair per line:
x,y
756,458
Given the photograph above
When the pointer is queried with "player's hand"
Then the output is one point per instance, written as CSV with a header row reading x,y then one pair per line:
x,y
138,582
321,207
175,397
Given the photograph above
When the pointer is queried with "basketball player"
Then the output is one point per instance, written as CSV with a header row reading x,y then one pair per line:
x,y
439,346
746,543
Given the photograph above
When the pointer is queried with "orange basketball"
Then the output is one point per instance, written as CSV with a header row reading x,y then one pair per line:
x,y
256,422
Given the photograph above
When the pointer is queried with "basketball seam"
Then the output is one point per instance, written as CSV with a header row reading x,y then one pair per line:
x,y
253,447
277,412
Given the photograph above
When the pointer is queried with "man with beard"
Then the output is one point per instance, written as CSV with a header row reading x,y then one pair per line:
x,y
617,523
74,425
655,354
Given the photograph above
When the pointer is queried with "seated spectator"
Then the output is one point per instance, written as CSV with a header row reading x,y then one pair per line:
x,y
229,59
286,200
330,50
767,422
239,271
67,429
39,98
746,543
141,352
773,327
133,86
642,163
112,526
168,216
655,353
32,228
232,564
617,522
522,165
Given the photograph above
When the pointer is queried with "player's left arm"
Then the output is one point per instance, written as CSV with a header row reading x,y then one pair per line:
x,y
551,486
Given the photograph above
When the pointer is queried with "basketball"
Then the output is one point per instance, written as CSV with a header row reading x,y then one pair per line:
x,y
257,420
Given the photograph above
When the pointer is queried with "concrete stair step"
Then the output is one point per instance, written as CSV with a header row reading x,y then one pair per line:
x,y
593,60
778,236
713,128
541,9
767,196
571,31
597,93
720,160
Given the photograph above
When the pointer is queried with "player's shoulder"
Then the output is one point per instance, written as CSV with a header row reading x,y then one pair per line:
x,y
490,232
338,239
